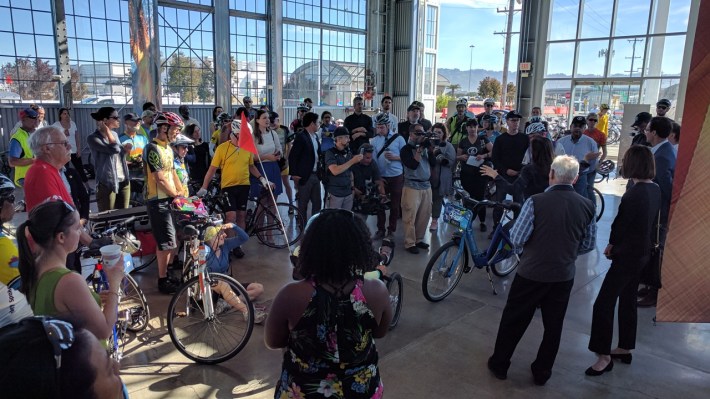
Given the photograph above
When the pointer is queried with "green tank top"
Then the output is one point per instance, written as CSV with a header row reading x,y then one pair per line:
x,y
42,294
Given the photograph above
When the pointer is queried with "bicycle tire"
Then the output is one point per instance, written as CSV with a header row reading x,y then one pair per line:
x,y
598,177
430,273
208,340
133,300
599,203
505,266
395,287
269,232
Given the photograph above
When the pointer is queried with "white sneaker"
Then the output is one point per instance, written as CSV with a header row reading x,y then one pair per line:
x,y
221,306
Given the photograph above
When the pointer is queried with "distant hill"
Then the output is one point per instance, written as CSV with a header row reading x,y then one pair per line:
x,y
457,76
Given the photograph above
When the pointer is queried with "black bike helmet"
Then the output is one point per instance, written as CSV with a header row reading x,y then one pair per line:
x,y
606,167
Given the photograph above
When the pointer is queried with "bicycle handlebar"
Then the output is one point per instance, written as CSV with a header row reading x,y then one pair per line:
x,y
473,204
118,226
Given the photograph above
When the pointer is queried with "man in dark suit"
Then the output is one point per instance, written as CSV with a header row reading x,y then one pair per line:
x,y
547,267
304,166
657,132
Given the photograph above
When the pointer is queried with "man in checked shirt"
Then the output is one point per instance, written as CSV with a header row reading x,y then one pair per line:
x,y
553,228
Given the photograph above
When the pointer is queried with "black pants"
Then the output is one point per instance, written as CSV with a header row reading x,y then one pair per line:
x,y
76,161
524,297
501,192
475,186
621,282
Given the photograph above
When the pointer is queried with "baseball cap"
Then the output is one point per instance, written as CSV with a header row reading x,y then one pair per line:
x,y
131,117
28,113
412,107
579,120
245,99
147,114
341,131
664,102
642,117
513,115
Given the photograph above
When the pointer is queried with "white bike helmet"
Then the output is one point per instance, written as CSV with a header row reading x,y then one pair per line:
x,y
7,187
536,128
182,140
462,101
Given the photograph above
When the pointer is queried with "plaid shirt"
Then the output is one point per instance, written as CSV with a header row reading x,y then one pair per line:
x,y
524,225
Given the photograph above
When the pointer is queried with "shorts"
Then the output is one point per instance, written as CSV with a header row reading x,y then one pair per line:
x,y
238,197
161,221
285,172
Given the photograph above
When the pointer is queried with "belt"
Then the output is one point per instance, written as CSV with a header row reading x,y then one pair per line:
x,y
418,181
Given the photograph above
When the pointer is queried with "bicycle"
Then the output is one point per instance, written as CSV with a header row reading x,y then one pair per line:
x,y
210,317
444,270
598,203
99,222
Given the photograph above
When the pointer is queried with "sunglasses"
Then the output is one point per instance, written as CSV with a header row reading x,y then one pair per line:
x,y
592,120
661,107
488,105
10,198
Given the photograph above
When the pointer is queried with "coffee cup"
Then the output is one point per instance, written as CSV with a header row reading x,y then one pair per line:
x,y
110,254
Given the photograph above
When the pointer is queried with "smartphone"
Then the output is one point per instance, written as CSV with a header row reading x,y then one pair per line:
x,y
362,151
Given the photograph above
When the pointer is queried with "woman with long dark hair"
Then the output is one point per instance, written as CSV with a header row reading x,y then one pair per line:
x,y
270,152
328,321
630,241
214,125
51,288
113,188
534,177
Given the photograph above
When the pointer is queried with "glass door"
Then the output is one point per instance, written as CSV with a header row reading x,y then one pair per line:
x,y
588,96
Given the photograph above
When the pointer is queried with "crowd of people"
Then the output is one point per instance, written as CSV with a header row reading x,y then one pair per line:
x,y
328,321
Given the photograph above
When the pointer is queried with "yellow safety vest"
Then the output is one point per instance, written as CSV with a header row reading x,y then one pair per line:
x,y
23,138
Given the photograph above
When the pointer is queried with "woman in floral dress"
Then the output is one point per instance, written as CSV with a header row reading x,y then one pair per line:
x,y
328,322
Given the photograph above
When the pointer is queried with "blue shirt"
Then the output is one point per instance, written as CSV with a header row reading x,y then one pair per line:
x,y
15,149
388,168
493,137
524,225
579,149
220,264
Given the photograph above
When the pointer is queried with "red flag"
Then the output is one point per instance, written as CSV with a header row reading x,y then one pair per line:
x,y
246,139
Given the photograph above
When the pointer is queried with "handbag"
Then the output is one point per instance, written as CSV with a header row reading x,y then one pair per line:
x,y
651,274
283,162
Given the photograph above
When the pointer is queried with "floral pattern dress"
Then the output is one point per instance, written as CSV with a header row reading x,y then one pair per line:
x,y
331,352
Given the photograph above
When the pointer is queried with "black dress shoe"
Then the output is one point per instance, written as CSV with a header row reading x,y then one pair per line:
x,y
422,245
647,301
413,250
642,292
540,377
501,375
591,372
625,358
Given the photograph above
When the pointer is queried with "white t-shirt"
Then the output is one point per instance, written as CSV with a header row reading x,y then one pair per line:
x,y
271,144
72,134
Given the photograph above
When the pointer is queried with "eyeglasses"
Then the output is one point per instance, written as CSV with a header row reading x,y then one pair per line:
x,y
419,132
64,143
10,198
592,120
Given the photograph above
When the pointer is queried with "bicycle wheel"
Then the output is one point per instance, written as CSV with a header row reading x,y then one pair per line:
x,y
505,266
268,229
395,287
443,271
204,338
599,203
133,305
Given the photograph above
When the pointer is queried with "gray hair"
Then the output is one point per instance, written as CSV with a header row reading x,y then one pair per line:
x,y
566,168
41,137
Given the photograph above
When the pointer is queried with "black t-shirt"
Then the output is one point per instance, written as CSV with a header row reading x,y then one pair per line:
x,y
508,152
363,175
478,147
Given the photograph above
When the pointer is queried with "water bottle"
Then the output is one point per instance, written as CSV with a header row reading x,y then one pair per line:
x,y
99,280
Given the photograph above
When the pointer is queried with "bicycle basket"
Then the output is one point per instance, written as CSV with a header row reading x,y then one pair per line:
x,y
457,216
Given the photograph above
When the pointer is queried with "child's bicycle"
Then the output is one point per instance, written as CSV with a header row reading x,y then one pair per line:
x,y
210,317
451,260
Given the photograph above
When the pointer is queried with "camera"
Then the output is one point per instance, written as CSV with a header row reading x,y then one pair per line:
x,y
441,159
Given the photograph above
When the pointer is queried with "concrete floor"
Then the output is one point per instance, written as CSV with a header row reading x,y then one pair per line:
x,y
439,349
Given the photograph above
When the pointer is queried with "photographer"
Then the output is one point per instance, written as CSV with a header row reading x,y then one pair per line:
x,y
387,145
338,161
442,173
417,158
368,186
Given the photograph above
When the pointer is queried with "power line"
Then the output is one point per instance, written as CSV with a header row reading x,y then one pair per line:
x,y
506,58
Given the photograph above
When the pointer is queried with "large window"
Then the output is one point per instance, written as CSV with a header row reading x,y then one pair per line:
x,y
431,31
598,55
99,52
248,59
27,54
255,6
429,73
344,13
187,55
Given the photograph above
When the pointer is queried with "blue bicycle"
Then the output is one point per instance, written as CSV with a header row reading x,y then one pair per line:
x,y
451,260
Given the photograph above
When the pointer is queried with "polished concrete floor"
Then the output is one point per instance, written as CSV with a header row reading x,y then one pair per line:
x,y
439,350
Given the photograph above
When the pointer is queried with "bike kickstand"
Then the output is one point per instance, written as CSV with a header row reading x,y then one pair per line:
x,y
490,280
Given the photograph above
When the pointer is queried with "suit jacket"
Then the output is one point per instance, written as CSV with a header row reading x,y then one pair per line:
x,y
665,168
301,157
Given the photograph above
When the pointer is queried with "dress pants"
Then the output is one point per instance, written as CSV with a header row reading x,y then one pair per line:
x,y
308,192
621,281
524,297
393,187
416,211
340,202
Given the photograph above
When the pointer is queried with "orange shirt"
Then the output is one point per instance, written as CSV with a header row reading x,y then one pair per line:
x,y
596,135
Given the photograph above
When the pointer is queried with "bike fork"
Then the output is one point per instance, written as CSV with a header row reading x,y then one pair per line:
x,y
490,280
206,291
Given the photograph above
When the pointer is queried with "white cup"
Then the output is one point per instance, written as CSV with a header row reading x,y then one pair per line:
x,y
111,254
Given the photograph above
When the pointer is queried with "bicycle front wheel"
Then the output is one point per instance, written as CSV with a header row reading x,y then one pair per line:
x,y
133,305
444,271
395,287
268,228
599,203
205,336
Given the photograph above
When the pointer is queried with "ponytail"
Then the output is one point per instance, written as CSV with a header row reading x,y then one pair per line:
x,y
26,265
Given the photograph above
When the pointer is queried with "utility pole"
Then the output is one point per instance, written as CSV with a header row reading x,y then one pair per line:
x,y
633,59
470,65
506,58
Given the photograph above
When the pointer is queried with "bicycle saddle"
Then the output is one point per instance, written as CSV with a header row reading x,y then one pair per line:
x,y
190,231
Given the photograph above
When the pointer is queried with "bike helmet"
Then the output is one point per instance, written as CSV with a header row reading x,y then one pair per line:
x,y
236,125
128,242
221,118
462,101
536,128
302,107
169,118
182,140
535,119
606,167
7,187
489,101
490,118
382,119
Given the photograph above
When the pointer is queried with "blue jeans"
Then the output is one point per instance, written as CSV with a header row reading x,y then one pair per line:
x,y
583,188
